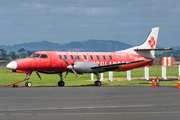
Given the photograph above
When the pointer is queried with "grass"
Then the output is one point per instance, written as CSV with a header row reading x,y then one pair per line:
x,y
8,77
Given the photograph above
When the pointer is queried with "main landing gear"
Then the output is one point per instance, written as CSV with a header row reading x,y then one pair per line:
x,y
61,82
97,83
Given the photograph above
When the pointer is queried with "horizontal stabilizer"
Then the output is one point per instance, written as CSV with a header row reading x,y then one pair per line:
x,y
110,67
160,49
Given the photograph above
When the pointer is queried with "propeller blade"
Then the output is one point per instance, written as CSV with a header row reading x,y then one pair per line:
x,y
66,74
75,73
38,75
70,67
65,61
74,59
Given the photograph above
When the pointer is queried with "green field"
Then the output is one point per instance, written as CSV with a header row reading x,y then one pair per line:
x,y
8,77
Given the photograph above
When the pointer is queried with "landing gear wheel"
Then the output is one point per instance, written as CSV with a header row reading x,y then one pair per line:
x,y
61,83
97,83
28,84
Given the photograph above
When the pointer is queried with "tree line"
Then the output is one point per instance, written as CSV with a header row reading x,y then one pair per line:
x,y
11,55
171,53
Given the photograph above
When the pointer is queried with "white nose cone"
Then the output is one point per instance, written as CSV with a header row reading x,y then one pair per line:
x,y
12,65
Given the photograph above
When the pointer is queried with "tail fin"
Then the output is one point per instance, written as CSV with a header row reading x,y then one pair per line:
x,y
151,40
146,49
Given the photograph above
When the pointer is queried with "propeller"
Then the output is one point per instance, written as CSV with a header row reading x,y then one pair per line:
x,y
70,67
38,75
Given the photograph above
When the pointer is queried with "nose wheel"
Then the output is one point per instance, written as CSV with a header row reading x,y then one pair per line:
x,y
28,84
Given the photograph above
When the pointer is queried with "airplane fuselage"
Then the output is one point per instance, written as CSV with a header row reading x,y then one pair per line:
x,y
53,61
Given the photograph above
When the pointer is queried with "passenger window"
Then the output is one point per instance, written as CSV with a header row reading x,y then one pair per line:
x,y
72,57
43,56
78,57
91,57
110,57
85,57
36,56
97,57
104,57
60,57
65,56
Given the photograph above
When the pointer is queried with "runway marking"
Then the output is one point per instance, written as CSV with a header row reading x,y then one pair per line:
x,y
21,114
110,113
101,113
163,94
2,114
95,107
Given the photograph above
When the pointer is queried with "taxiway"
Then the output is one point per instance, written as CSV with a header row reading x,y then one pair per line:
x,y
102,103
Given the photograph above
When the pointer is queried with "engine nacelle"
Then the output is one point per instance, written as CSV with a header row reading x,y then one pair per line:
x,y
84,67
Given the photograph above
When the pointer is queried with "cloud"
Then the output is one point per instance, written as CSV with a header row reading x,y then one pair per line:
x,y
33,5
84,19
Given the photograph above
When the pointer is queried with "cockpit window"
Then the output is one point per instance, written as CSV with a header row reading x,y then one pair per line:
x,y
44,56
36,56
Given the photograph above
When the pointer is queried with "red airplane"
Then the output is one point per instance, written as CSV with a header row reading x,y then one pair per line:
x,y
55,62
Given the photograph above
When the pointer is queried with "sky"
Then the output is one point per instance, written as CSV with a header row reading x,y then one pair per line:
x,y
64,21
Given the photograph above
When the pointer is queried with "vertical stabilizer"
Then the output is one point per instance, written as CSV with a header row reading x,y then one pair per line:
x,y
151,41
146,49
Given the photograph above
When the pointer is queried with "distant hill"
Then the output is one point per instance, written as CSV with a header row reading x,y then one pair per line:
x,y
89,45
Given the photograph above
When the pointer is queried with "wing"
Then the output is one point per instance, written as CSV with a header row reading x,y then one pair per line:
x,y
114,66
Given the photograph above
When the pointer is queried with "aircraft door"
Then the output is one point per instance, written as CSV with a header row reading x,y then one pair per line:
x,y
44,62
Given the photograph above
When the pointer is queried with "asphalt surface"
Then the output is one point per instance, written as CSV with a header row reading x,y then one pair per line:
x,y
87,103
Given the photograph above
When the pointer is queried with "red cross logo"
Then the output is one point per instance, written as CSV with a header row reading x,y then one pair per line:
x,y
152,42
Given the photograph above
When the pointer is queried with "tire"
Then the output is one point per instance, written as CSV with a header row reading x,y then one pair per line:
x,y
97,83
29,84
26,84
61,83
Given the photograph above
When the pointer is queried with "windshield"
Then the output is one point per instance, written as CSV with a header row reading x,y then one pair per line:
x,y
35,55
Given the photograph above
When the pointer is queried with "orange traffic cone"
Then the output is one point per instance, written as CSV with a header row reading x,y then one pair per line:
x,y
178,85
157,83
153,82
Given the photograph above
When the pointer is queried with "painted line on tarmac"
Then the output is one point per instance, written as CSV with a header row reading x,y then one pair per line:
x,y
21,114
96,107
100,113
110,113
2,114
125,96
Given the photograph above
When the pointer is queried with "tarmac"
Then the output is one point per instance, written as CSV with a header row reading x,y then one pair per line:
x,y
87,103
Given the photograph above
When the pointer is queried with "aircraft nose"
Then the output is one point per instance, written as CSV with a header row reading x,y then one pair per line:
x,y
12,65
